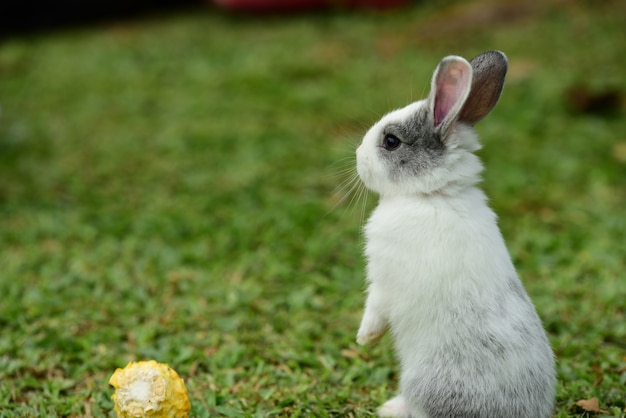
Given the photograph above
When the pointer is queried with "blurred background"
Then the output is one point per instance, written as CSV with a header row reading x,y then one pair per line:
x,y
177,183
27,16
23,16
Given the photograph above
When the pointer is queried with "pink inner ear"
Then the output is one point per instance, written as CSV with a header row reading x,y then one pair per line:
x,y
452,84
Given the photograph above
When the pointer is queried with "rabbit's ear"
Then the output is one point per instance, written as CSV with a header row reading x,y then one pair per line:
x,y
450,87
489,70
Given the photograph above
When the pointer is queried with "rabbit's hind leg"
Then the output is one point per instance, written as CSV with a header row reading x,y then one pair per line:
x,y
394,408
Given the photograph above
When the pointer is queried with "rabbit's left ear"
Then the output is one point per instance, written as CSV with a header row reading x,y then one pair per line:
x,y
489,70
450,88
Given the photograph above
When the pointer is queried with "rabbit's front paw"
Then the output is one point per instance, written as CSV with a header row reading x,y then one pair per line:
x,y
370,331
369,338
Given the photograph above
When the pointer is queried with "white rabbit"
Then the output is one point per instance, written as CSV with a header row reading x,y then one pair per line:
x,y
468,338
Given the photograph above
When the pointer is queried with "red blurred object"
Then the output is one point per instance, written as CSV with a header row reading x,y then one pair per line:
x,y
288,6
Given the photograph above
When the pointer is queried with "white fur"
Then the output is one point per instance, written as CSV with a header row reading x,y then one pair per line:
x,y
439,275
394,408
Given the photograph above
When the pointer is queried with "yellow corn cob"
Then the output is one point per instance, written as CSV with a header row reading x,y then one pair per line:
x,y
149,389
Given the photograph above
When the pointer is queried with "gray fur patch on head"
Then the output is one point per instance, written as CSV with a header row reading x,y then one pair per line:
x,y
422,148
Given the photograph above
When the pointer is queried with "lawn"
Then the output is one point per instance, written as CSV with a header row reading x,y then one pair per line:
x,y
170,189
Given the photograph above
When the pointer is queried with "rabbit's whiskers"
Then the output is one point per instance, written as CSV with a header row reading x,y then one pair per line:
x,y
350,189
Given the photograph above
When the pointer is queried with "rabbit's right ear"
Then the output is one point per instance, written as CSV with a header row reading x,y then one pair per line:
x,y
489,70
449,90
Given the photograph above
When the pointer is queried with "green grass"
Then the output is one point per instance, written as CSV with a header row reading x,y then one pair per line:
x,y
167,192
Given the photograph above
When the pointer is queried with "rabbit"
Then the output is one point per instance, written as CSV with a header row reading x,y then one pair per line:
x,y
468,338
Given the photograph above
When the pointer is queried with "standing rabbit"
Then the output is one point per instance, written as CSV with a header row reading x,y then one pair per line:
x,y
468,338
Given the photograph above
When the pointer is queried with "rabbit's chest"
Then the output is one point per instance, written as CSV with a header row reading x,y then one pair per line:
x,y
405,243
435,246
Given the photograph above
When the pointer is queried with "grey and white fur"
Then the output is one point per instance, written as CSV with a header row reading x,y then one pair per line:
x,y
469,341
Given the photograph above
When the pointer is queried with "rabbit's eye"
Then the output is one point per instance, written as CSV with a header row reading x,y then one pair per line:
x,y
391,142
